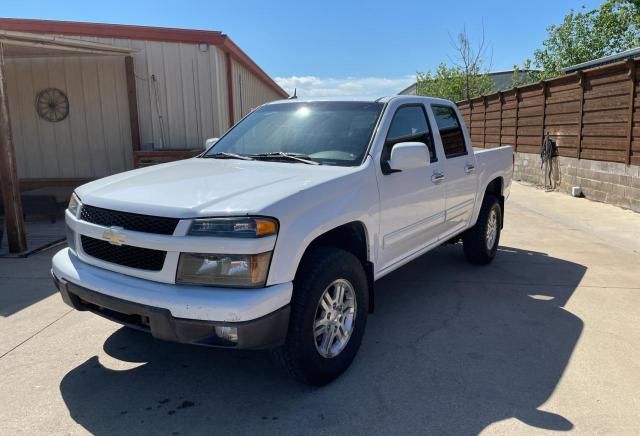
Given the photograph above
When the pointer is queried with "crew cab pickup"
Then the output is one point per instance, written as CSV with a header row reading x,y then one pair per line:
x,y
274,236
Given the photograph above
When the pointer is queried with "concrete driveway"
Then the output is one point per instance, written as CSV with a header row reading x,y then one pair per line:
x,y
546,338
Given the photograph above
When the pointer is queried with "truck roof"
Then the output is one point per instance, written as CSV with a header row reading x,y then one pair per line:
x,y
386,99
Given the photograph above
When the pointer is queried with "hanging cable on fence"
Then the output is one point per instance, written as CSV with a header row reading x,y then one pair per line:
x,y
547,153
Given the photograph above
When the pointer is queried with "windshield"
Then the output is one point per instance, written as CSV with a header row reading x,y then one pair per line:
x,y
329,133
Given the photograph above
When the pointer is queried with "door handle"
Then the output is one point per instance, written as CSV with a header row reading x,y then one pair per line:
x,y
468,168
437,177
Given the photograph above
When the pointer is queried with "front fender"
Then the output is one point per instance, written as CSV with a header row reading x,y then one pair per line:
x,y
312,212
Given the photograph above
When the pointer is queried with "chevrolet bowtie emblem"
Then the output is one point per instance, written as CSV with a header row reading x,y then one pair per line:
x,y
114,236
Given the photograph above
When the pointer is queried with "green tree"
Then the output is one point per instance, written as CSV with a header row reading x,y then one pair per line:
x,y
452,83
466,78
525,74
582,36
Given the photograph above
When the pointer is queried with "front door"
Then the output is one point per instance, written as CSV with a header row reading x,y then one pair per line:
x,y
412,201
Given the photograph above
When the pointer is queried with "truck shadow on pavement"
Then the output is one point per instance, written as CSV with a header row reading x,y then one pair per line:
x,y
451,349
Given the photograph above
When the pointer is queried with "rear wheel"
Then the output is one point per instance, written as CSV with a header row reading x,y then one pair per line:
x,y
480,242
328,316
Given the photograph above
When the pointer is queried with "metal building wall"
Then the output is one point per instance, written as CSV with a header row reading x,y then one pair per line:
x,y
182,100
249,91
181,91
94,140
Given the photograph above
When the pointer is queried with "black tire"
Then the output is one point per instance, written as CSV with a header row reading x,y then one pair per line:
x,y
299,355
475,239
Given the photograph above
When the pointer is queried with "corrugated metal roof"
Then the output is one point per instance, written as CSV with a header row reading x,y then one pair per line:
x,y
627,54
409,90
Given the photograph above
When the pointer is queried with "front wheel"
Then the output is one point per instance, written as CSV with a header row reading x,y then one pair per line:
x,y
480,242
328,316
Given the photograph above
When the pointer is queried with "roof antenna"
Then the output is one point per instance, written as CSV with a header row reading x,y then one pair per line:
x,y
295,94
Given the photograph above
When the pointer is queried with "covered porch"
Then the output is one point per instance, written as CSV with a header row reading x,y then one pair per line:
x,y
68,114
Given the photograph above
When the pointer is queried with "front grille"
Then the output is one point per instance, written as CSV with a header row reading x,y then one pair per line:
x,y
128,221
125,255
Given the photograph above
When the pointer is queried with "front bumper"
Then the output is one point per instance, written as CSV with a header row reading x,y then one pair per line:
x,y
260,317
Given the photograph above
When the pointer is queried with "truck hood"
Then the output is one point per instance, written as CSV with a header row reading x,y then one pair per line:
x,y
206,187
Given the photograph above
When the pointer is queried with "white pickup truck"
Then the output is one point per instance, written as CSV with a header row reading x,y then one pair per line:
x,y
274,236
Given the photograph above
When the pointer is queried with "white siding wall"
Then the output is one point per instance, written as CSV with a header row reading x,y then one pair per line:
x,y
94,140
250,92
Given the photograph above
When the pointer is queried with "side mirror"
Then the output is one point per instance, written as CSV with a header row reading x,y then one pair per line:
x,y
407,156
210,142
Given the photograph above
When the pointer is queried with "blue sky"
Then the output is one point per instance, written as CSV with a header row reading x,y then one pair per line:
x,y
333,49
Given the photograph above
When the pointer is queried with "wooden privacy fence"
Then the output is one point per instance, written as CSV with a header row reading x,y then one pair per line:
x,y
591,114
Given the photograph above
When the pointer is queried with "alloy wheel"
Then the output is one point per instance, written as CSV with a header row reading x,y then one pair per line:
x,y
334,319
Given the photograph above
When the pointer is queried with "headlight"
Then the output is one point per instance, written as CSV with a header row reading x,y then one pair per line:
x,y
238,227
227,270
74,204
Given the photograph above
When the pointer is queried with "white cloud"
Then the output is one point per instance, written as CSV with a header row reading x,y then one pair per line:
x,y
348,88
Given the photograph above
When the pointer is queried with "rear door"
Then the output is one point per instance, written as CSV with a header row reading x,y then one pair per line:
x,y
458,168
411,201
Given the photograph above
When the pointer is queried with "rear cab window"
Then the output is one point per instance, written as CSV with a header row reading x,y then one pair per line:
x,y
450,131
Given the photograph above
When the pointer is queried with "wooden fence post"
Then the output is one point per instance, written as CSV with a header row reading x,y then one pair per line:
x,y
470,115
501,100
132,98
9,184
632,91
484,121
580,77
515,142
544,106
230,94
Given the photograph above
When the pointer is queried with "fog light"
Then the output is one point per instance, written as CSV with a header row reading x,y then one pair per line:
x,y
227,333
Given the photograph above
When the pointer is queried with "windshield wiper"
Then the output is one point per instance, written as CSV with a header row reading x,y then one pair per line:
x,y
279,155
225,155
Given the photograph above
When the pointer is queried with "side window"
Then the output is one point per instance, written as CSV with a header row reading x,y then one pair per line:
x,y
409,123
450,131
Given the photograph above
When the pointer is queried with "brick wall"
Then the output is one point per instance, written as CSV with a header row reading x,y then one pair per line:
x,y
608,182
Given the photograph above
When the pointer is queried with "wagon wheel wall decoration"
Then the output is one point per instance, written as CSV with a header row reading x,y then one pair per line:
x,y
52,105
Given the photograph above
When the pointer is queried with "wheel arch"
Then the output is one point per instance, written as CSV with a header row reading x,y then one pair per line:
x,y
495,186
351,237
